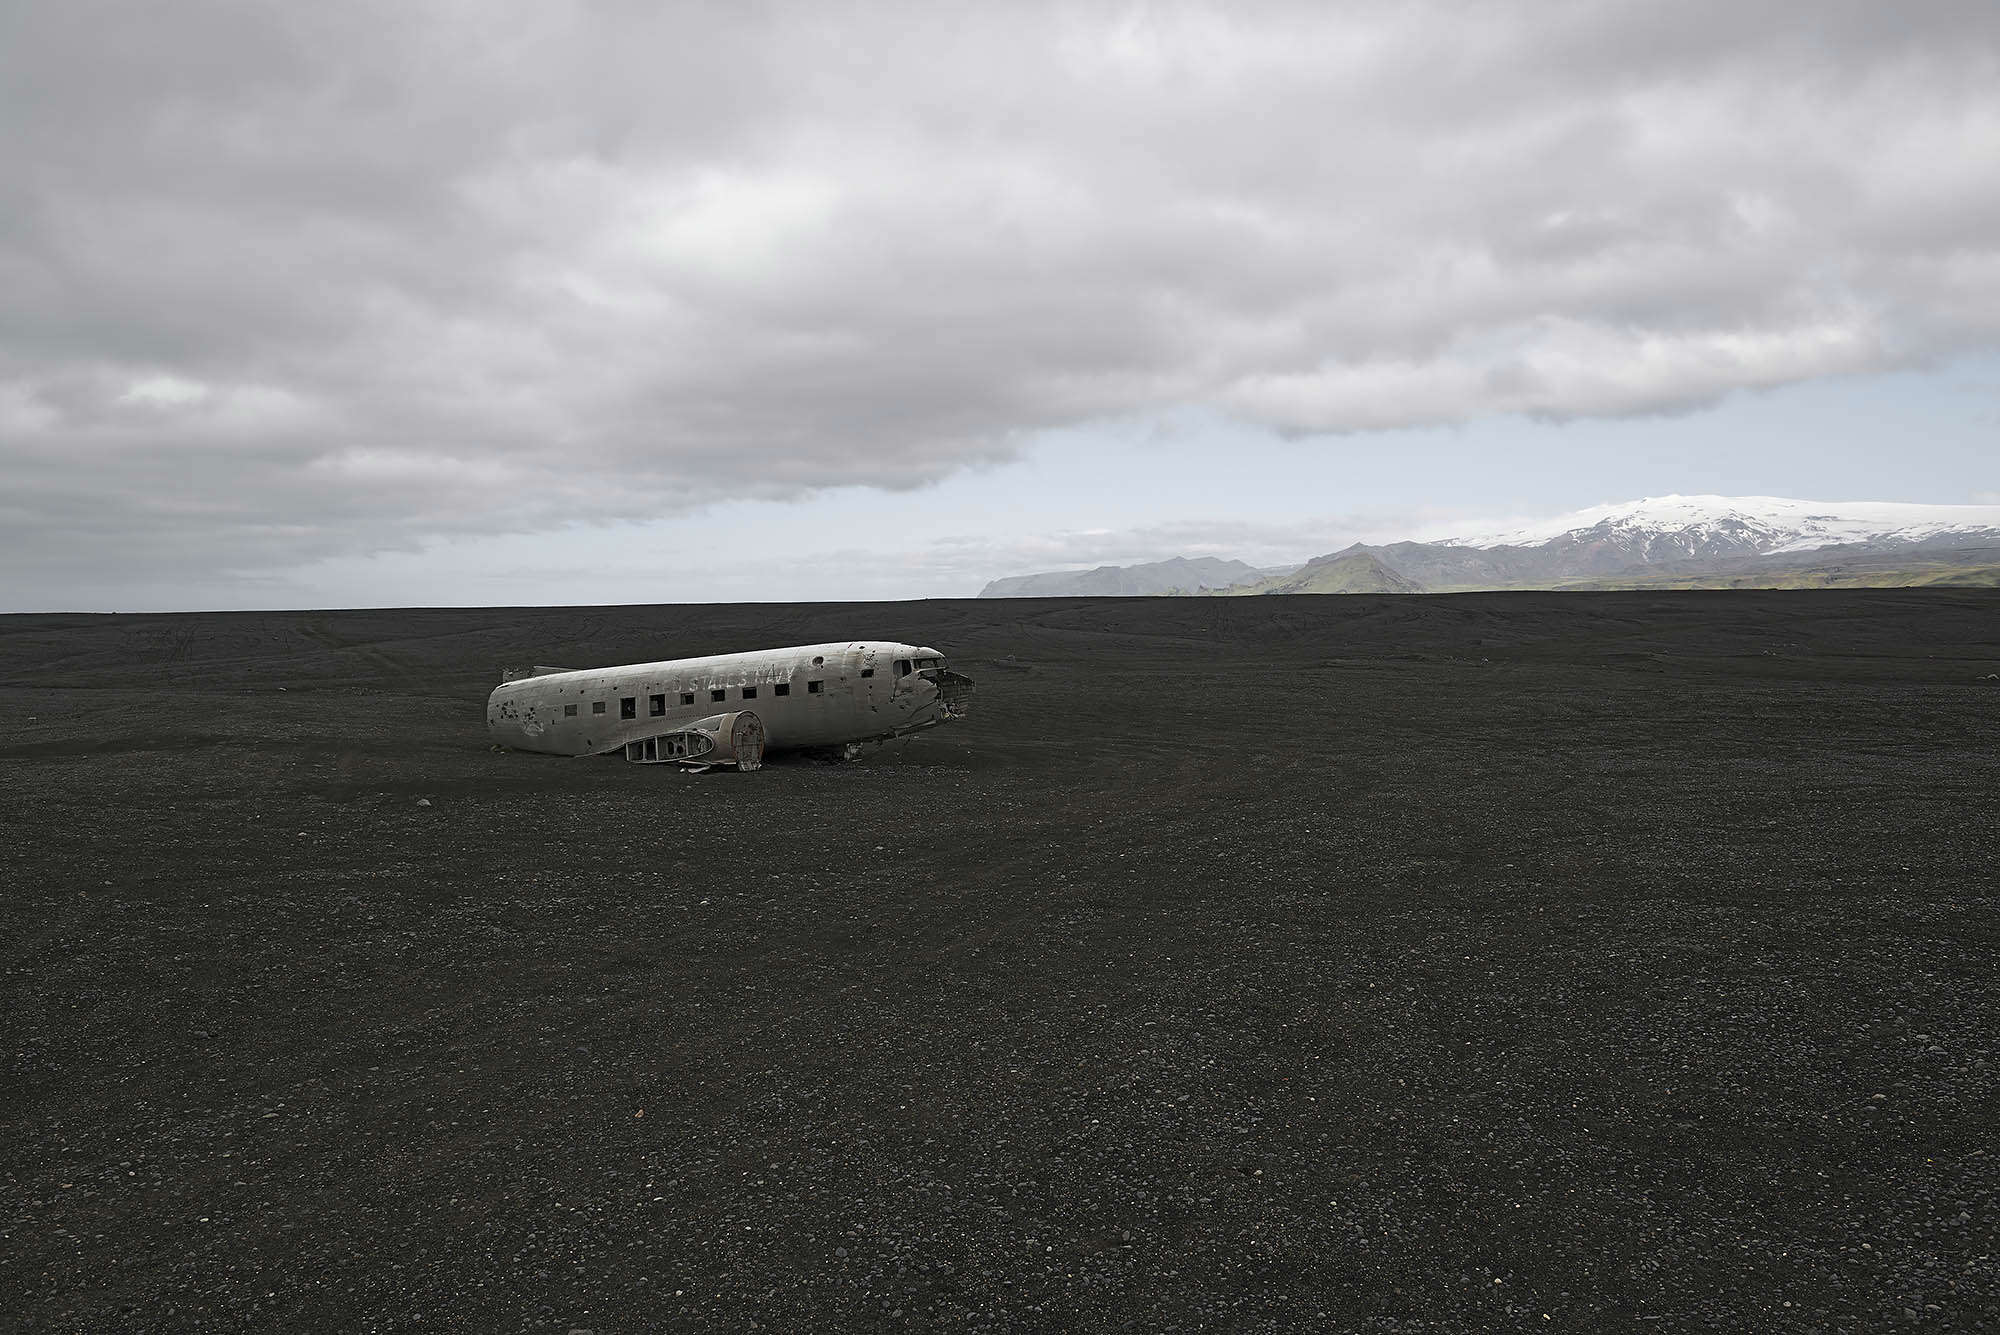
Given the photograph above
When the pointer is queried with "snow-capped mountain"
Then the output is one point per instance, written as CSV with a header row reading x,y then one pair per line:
x,y
1663,528
1661,541
1703,541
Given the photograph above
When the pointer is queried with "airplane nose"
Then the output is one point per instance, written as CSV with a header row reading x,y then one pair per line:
x,y
954,691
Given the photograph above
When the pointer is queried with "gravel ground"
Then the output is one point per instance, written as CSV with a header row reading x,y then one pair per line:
x,y
1565,962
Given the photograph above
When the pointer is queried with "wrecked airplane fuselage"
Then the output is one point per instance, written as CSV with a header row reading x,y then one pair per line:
x,y
729,709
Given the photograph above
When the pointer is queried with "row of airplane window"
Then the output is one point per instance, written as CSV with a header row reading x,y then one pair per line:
x,y
656,705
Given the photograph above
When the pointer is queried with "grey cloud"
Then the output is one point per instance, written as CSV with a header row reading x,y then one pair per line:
x,y
285,282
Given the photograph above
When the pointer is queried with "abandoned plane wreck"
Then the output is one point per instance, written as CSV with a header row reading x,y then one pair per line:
x,y
729,709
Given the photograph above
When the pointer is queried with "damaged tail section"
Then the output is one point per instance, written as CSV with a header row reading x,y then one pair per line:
x,y
508,674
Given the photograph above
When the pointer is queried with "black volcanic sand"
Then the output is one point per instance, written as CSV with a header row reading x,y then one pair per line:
x,y
1573,961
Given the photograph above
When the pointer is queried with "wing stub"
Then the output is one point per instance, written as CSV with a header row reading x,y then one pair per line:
x,y
721,739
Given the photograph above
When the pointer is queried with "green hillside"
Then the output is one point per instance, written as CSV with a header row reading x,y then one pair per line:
x,y
1354,572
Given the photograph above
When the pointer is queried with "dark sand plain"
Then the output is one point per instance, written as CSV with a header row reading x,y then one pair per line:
x,y
1515,961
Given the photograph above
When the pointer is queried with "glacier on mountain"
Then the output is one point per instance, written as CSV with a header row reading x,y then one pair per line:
x,y
1764,525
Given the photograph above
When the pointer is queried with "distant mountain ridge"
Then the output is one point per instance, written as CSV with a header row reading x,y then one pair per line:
x,y
1665,541
1179,575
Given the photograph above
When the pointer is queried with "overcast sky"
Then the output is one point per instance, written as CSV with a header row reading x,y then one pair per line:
x,y
348,303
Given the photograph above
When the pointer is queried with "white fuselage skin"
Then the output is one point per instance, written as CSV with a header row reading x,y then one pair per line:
x,y
866,691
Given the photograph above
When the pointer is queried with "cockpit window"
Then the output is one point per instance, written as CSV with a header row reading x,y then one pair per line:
x,y
926,663
902,667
